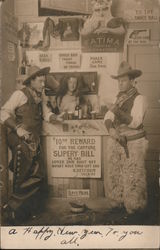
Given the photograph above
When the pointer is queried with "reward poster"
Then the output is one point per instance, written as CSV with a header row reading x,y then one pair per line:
x,y
76,156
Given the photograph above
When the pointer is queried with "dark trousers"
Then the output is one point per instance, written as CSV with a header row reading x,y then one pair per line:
x,y
29,177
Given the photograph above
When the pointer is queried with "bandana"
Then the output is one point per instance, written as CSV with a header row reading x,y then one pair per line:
x,y
122,97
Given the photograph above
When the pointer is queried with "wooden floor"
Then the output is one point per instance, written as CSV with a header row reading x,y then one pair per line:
x,y
97,212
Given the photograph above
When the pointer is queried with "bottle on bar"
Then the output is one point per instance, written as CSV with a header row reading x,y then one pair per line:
x,y
78,110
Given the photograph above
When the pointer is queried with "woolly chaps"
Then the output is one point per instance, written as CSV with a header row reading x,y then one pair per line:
x,y
125,178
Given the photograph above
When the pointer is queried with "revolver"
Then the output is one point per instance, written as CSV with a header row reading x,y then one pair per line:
x,y
123,142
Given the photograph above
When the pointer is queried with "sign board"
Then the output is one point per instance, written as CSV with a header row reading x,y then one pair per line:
x,y
11,52
75,156
98,62
69,60
103,42
138,36
45,57
142,15
77,193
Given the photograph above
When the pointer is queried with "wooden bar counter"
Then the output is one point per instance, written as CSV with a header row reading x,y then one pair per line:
x,y
83,144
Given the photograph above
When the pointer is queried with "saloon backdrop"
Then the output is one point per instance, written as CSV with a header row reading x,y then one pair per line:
x,y
73,39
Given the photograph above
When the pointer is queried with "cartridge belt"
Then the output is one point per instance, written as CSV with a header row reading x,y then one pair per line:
x,y
136,136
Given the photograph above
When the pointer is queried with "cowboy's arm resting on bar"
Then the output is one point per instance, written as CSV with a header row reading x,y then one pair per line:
x,y
49,116
108,120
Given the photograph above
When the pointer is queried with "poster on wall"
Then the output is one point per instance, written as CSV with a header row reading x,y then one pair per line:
x,y
30,33
138,36
101,31
69,29
76,156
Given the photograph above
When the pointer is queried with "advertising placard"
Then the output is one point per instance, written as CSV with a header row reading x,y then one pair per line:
x,y
138,36
103,42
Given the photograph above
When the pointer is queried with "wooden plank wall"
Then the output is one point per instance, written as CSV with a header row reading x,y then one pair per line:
x,y
7,86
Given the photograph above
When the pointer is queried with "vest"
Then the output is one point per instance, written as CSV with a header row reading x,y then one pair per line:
x,y
30,114
126,107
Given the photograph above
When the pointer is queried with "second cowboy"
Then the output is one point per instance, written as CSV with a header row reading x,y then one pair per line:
x,y
124,173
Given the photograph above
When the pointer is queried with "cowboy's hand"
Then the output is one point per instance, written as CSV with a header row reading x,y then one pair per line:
x,y
56,118
52,118
60,118
110,106
114,134
21,132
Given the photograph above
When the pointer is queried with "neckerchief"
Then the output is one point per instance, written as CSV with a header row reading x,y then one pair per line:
x,y
36,96
122,97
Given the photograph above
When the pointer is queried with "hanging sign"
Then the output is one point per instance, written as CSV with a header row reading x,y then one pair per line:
x,y
138,36
69,60
142,15
103,42
76,156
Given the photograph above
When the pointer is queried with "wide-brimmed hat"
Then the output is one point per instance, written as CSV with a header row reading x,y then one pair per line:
x,y
35,70
126,69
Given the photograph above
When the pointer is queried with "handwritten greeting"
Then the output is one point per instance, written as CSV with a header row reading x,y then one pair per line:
x,y
74,236
80,236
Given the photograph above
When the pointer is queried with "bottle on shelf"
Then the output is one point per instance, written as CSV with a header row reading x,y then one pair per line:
x,y
89,109
23,68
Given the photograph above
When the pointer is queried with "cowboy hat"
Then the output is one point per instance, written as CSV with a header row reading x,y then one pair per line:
x,y
35,71
126,69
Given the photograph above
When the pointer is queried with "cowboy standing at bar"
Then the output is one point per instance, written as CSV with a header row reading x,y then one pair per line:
x,y
124,173
22,114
